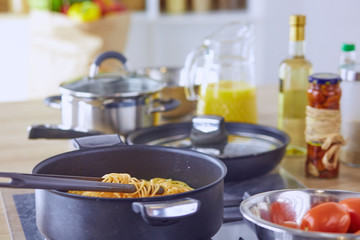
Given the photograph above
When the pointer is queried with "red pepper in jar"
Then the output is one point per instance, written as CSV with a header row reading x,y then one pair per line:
x,y
323,126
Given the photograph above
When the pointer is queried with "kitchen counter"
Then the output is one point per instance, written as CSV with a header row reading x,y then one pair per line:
x,y
19,154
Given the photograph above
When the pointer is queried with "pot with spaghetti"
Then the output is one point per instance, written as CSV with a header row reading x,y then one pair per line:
x,y
190,206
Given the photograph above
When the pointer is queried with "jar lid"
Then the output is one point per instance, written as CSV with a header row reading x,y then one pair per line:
x,y
324,78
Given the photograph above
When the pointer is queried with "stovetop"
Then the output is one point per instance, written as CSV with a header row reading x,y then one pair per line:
x,y
234,227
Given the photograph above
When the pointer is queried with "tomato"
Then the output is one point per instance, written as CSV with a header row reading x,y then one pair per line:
x,y
290,224
281,212
353,207
316,97
357,232
326,217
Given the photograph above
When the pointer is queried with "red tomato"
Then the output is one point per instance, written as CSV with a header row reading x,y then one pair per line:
x,y
290,224
281,212
357,232
353,207
326,217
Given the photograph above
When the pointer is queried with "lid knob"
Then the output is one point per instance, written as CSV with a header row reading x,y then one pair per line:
x,y
208,131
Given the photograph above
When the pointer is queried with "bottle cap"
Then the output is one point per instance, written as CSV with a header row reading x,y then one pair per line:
x,y
324,78
298,20
347,47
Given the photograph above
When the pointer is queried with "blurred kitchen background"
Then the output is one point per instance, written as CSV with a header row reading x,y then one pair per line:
x,y
158,37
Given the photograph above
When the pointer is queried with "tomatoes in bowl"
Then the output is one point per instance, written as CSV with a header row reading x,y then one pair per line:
x,y
353,207
328,217
281,212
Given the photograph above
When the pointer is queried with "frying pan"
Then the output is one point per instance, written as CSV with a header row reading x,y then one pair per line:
x,y
258,150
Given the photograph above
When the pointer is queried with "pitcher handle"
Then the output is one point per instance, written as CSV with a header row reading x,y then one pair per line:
x,y
192,61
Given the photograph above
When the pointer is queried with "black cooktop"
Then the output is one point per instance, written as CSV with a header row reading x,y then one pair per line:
x,y
234,227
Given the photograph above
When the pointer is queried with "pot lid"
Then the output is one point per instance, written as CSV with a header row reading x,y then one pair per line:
x,y
112,85
211,135
103,85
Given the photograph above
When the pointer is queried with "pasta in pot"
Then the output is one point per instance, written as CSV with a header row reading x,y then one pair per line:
x,y
144,188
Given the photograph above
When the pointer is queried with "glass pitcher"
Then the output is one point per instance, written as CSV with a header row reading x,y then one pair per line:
x,y
220,74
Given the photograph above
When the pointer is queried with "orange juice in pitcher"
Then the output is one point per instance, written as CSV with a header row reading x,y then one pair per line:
x,y
233,100
223,68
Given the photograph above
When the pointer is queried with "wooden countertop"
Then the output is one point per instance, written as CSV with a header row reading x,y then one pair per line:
x,y
19,154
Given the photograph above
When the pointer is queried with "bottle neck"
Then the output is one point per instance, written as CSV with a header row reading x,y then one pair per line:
x,y
348,58
297,48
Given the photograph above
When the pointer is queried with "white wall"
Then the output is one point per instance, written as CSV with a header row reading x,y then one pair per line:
x,y
14,46
329,23
166,40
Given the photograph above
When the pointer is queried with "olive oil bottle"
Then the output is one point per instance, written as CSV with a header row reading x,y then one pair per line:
x,y
293,73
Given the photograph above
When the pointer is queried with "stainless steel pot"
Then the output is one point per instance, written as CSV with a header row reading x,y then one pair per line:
x,y
111,102
172,76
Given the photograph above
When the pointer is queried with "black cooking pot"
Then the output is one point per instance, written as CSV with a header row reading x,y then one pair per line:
x,y
197,214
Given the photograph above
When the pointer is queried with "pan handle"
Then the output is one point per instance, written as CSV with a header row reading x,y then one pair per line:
x,y
50,131
105,140
53,101
166,212
165,105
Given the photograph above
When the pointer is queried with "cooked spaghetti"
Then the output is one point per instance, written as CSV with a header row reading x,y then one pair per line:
x,y
144,188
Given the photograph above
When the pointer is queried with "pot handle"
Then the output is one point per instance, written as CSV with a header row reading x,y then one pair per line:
x,y
165,105
50,131
105,140
94,68
166,212
53,101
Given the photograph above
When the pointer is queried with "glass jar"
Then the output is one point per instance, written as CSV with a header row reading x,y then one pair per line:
x,y
350,113
323,121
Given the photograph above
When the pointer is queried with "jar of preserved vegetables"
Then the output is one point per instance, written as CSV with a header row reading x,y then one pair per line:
x,y
323,122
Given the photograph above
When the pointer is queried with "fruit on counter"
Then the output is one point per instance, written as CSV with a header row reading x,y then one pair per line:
x,y
353,207
326,217
84,11
109,6
80,10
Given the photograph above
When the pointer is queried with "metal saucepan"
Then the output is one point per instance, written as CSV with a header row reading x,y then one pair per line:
x,y
108,102
248,150
172,76
193,215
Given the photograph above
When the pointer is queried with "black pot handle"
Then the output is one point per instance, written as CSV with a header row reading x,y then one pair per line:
x,y
95,141
166,212
50,131
53,101
94,68
165,105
